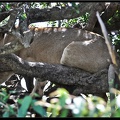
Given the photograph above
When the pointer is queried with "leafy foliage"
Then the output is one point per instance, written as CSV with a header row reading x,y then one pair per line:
x,y
62,106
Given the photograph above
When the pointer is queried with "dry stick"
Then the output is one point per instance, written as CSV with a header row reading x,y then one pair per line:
x,y
34,89
107,40
111,71
111,81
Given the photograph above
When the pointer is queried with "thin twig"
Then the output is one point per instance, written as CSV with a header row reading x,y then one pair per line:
x,y
34,89
107,40
111,71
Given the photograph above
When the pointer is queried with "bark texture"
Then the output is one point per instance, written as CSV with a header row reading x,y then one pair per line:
x,y
71,78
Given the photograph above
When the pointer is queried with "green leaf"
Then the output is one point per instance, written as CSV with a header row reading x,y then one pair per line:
x,y
24,16
37,108
24,107
6,114
8,111
62,100
7,6
117,113
64,113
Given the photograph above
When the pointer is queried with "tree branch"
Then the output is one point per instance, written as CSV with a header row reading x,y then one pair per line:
x,y
40,15
4,15
75,79
108,13
92,19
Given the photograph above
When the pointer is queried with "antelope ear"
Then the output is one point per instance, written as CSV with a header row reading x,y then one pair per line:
x,y
28,38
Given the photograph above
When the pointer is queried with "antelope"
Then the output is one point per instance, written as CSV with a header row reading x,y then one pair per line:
x,y
67,46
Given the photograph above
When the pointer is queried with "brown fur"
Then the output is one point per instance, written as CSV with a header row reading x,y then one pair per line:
x,y
72,47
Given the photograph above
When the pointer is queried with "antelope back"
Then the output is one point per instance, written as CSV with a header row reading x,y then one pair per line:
x,y
69,46
48,43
